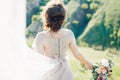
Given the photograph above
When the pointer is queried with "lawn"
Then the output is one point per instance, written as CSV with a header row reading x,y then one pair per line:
x,y
94,56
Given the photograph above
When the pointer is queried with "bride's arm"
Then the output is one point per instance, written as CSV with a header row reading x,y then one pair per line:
x,y
73,47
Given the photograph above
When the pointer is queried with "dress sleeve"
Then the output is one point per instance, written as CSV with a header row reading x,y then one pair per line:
x,y
38,44
74,49
72,44
72,41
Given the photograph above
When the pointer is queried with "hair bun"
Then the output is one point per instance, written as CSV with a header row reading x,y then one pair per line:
x,y
54,15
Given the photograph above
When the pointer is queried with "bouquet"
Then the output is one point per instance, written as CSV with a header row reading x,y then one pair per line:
x,y
102,70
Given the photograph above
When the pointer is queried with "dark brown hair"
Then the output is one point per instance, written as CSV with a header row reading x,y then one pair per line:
x,y
54,16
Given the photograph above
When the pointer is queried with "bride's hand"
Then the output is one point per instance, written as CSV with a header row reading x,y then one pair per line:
x,y
88,65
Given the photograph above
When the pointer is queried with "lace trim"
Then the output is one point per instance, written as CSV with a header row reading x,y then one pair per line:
x,y
59,48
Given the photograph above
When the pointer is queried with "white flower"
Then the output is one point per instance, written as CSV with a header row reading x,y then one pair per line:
x,y
105,62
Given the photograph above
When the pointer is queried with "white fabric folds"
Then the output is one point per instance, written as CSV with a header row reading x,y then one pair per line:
x,y
17,60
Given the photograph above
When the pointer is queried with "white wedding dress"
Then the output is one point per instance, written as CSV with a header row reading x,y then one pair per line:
x,y
54,46
19,62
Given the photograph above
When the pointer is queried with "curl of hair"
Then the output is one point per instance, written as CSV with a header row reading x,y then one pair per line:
x,y
54,16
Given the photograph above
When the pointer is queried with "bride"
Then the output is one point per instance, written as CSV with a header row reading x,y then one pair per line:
x,y
48,60
53,43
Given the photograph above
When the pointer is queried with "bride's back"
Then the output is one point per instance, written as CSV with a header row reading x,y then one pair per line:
x,y
53,44
55,41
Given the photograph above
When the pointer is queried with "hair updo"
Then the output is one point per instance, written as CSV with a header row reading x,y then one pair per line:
x,y
53,16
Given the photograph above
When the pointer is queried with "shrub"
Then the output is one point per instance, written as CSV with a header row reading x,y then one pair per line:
x,y
35,17
84,6
89,16
93,6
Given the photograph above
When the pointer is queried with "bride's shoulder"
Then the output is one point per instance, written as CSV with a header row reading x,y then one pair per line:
x,y
68,31
41,34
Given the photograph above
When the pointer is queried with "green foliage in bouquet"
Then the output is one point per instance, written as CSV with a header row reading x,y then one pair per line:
x,y
94,73
102,70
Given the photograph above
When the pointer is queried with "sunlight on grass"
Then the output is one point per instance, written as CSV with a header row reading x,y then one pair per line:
x,y
93,56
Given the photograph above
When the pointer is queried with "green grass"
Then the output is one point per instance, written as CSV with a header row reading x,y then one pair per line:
x,y
93,56
72,6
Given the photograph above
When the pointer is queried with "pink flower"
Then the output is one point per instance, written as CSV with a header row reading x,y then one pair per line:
x,y
102,69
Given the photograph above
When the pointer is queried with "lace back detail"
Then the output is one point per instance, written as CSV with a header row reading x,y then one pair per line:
x,y
59,48
60,56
